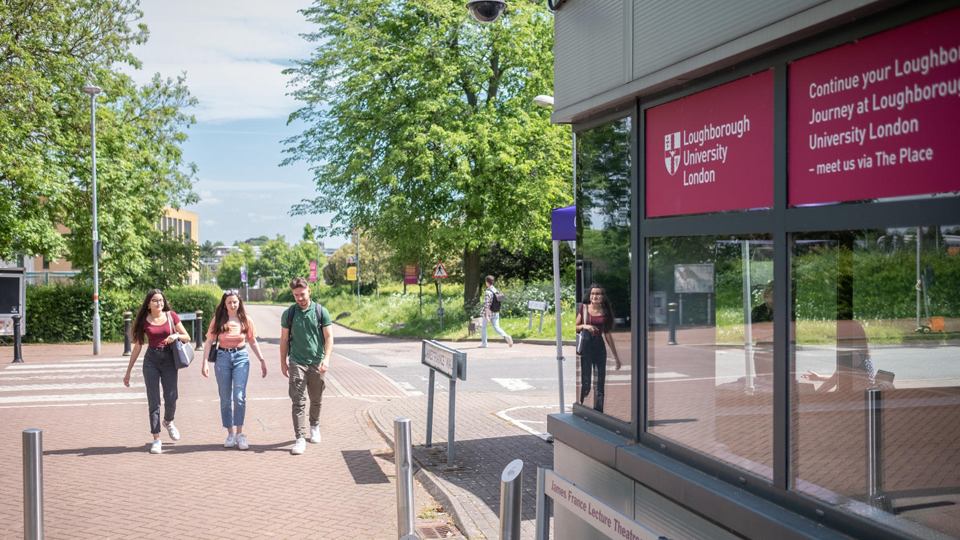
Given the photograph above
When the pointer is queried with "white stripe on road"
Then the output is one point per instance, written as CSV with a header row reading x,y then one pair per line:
x,y
513,385
69,397
5,375
87,365
67,386
666,375
72,405
71,377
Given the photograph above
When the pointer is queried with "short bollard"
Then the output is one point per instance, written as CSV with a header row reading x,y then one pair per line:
x,y
32,484
672,315
876,496
17,349
197,330
126,333
544,505
511,491
403,459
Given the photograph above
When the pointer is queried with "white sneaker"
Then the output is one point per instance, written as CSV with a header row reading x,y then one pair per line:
x,y
314,434
242,441
299,446
509,341
231,441
172,431
155,448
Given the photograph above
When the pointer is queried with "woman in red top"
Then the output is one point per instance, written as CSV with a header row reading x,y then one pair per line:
x,y
235,331
161,326
594,323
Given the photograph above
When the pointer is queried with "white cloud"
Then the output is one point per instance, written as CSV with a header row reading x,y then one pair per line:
x,y
210,222
232,51
206,197
222,186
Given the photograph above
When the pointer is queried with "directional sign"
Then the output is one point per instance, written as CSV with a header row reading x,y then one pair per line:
x,y
439,271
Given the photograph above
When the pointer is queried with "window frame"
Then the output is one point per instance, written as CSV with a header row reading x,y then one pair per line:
x,y
780,222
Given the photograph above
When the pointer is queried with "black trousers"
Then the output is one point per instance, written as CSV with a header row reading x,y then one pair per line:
x,y
159,370
593,356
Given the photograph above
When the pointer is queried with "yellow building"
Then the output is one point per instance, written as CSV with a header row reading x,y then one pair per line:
x,y
182,223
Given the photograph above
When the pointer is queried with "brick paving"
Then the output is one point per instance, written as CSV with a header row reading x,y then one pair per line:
x,y
100,482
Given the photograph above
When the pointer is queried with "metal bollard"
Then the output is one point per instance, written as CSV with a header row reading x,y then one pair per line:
x,y
511,491
672,316
403,460
875,494
544,505
17,345
32,484
126,333
197,330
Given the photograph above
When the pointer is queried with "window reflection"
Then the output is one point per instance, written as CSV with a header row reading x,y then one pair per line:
x,y
603,263
878,309
710,360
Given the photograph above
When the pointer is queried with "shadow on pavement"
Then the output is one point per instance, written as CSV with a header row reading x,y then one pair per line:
x,y
168,448
481,462
364,467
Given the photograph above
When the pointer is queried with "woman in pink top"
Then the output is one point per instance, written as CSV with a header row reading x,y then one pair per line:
x,y
161,327
234,330
594,324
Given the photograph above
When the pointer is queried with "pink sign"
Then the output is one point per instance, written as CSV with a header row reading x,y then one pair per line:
x,y
712,151
313,270
410,274
873,119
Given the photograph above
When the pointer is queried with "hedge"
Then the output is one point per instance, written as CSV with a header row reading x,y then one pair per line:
x,y
63,313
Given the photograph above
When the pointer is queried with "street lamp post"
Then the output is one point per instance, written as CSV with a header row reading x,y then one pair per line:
x,y
92,91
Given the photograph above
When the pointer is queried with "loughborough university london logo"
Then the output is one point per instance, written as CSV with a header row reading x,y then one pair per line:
x,y
671,152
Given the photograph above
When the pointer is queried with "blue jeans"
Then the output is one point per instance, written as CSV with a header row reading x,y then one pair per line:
x,y
232,370
495,322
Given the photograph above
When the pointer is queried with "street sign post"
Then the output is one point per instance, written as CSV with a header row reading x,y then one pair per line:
x,y
537,305
452,364
440,272
313,270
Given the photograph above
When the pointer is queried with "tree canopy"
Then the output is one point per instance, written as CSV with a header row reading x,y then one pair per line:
x,y
422,131
48,52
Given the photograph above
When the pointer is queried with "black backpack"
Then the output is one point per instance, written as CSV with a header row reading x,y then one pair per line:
x,y
496,302
290,312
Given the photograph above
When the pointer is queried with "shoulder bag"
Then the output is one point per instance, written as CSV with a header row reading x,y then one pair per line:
x,y
182,353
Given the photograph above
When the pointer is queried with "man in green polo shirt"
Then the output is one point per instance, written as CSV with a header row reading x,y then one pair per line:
x,y
309,345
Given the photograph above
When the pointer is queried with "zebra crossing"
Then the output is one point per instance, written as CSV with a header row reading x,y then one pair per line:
x,y
70,383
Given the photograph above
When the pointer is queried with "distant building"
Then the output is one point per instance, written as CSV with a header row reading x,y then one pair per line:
x,y
182,223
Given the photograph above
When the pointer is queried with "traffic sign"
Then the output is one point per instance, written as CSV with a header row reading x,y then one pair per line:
x,y
439,271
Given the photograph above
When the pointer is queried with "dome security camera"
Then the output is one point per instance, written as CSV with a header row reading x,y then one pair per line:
x,y
486,11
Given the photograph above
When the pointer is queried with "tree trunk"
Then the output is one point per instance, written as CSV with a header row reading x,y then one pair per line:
x,y
471,277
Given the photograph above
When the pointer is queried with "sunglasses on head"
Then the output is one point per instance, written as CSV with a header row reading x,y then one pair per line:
x,y
230,292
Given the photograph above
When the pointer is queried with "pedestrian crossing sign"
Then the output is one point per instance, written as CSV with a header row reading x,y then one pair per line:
x,y
439,271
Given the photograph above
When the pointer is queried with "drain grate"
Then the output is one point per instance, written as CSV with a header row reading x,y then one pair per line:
x,y
378,365
438,530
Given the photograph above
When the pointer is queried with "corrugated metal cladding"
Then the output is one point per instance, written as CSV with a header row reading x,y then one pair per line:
x,y
590,43
665,33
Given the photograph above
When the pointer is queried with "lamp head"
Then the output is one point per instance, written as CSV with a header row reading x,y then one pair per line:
x,y
543,101
486,11
92,90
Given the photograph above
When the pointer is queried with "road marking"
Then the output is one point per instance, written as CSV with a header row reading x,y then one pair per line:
x,y
409,388
69,397
513,385
522,424
71,377
67,386
42,367
72,405
666,375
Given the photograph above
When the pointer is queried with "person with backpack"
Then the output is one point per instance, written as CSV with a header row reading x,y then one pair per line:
x,y
306,338
232,331
490,313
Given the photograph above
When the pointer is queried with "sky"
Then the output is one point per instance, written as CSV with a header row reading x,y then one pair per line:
x,y
233,53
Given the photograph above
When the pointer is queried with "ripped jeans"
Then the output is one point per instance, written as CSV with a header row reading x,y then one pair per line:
x,y
232,370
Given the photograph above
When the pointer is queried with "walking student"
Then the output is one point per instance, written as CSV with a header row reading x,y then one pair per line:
x,y
306,339
594,324
161,327
232,331
490,314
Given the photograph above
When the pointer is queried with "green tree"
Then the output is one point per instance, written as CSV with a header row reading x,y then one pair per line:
x,y
48,51
279,262
171,260
229,275
422,129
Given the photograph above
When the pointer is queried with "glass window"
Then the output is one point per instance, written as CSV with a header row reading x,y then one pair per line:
x,y
875,403
603,252
710,356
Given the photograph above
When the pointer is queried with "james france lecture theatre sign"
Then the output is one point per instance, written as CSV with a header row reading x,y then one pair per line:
x,y
717,148
878,117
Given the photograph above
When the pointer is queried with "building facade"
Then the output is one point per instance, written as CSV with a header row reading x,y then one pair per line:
x,y
768,211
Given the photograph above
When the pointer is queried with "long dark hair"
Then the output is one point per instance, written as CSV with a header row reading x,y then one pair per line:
x,y
136,330
605,306
222,314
